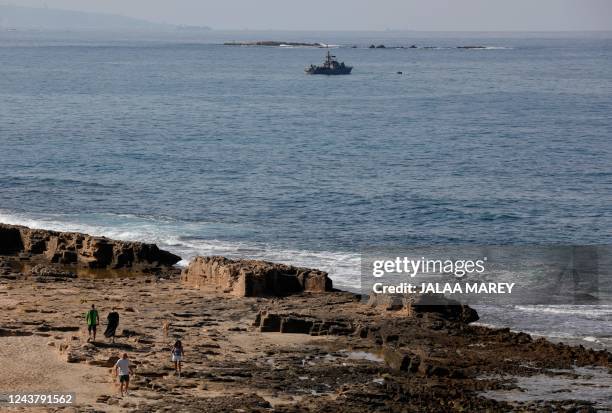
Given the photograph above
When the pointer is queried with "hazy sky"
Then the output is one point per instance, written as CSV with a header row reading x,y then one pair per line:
x,y
488,15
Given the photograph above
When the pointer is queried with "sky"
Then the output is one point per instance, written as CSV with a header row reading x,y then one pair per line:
x,y
444,15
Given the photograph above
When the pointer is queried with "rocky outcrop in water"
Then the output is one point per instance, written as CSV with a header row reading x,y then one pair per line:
x,y
272,43
81,249
252,278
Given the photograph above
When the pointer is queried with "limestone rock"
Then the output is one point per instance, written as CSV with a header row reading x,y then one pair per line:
x,y
425,304
82,249
301,324
41,270
402,361
252,278
447,308
107,362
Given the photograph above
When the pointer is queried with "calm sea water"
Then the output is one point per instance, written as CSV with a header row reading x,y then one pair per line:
x,y
211,149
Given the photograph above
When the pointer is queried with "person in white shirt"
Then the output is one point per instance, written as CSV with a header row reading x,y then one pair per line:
x,y
123,369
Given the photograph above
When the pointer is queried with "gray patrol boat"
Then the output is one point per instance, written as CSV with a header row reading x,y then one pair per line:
x,y
330,67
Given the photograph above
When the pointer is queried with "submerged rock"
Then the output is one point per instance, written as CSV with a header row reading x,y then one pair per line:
x,y
81,249
253,278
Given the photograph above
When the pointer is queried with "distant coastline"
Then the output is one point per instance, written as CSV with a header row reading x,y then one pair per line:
x,y
29,18
277,43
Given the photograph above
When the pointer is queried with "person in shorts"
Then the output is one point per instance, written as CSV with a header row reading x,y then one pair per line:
x,y
177,357
123,370
93,319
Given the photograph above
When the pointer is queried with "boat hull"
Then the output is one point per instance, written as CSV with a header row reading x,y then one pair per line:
x,y
328,71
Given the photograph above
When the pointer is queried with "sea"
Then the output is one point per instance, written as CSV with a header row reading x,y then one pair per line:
x,y
177,139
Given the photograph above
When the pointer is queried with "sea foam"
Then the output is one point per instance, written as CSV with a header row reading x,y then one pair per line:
x,y
188,239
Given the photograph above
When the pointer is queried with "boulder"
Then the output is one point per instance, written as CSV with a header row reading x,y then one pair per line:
x,y
269,323
252,278
445,307
81,249
292,325
302,324
51,271
10,240
108,362
415,304
400,360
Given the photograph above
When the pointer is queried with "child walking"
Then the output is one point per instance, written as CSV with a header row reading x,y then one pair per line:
x,y
177,356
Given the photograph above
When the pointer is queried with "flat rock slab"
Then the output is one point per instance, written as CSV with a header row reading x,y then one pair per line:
x,y
253,278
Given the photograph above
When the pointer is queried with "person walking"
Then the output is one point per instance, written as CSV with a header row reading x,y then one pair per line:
x,y
93,319
123,370
177,357
111,327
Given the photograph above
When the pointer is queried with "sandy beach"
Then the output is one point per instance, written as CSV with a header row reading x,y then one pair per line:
x,y
30,364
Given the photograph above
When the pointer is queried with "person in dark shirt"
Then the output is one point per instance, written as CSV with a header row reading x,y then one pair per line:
x,y
111,327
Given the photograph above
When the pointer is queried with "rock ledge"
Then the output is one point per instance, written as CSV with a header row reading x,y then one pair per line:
x,y
252,278
81,249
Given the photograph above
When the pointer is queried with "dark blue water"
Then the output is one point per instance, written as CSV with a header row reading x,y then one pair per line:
x,y
206,148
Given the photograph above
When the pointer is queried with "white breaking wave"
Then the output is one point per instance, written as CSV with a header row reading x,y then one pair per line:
x,y
293,46
555,335
591,310
188,240
591,339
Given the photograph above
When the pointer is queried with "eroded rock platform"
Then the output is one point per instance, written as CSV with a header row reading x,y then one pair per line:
x,y
305,352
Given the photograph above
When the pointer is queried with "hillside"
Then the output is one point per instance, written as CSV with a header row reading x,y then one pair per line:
x,y
17,17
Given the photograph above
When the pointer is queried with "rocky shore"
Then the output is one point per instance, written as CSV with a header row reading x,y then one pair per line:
x,y
81,249
258,337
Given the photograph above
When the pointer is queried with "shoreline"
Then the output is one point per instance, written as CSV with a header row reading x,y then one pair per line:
x,y
320,350
322,257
